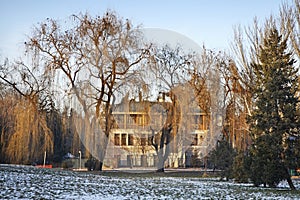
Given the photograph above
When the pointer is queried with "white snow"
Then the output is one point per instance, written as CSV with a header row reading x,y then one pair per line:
x,y
26,182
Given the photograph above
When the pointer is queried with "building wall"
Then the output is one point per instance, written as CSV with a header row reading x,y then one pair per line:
x,y
131,146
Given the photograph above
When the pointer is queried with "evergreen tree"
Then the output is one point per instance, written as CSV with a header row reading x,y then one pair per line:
x,y
222,158
241,167
274,122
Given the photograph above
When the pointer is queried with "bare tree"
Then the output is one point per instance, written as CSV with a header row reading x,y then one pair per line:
x,y
290,24
98,57
169,70
208,83
200,80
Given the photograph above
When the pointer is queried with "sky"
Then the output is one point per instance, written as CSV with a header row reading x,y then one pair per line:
x,y
208,22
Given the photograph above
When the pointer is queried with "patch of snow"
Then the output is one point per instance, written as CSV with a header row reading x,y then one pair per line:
x,y
26,182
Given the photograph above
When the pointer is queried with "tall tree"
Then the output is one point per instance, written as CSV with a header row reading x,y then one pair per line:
x,y
169,70
274,123
97,59
31,135
209,83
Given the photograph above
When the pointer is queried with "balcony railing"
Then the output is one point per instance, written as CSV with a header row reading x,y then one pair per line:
x,y
141,120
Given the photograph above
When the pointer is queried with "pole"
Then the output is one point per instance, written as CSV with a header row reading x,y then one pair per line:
x,y
79,159
45,154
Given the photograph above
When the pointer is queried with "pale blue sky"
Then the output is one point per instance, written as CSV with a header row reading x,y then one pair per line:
x,y
204,21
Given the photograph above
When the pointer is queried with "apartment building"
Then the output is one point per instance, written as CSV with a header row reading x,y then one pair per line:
x,y
131,141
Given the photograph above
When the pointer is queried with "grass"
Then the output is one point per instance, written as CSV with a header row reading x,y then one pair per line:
x,y
28,182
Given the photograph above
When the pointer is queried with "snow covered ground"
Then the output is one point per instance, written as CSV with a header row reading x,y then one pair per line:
x,y
25,182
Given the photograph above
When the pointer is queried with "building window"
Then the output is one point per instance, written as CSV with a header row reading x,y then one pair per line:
x,y
117,139
130,121
143,140
195,140
124,139
196,119
130,139
149,138
201,123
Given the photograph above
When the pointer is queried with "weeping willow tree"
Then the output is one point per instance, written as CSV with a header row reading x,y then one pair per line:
x,y
7,118
31,136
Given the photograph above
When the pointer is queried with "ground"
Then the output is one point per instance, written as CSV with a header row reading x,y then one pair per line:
x,y
26,182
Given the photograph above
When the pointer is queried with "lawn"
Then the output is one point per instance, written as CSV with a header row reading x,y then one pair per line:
x,y
26,182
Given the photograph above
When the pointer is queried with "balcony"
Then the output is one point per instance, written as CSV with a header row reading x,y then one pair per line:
x,y
142,120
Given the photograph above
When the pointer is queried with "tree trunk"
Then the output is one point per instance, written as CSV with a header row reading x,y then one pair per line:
x,y
160,155
291,184
289,180
100,165
161,162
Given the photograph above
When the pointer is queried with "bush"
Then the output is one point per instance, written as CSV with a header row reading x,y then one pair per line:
x,y
241,167
222,158
67,164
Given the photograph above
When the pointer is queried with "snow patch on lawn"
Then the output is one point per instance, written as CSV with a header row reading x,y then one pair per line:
x,y
25,182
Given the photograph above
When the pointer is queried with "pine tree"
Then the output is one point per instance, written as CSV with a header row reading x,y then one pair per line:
x,y
241,167
274,121
222,158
